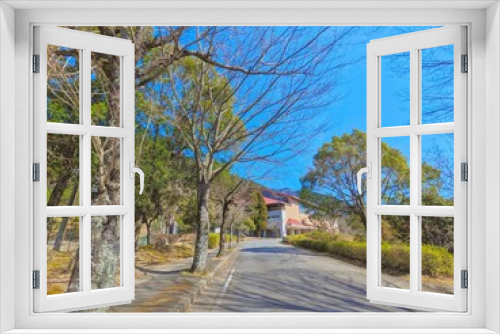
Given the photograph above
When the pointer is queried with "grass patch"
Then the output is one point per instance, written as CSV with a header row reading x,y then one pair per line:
x,y
59,267
188,273
148,255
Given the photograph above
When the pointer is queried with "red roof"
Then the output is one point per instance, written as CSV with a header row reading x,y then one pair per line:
x,y
292,221
269,200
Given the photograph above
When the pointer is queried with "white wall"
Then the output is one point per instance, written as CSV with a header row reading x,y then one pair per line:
x,y
279,222
252,16
492,164
283,223
7,160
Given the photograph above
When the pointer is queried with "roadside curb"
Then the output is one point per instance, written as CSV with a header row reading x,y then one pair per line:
x,y
185,303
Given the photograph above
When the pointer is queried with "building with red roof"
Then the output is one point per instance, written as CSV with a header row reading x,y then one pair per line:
x,y
286,215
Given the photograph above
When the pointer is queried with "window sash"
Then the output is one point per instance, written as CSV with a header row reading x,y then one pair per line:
x,y
413,43
86,43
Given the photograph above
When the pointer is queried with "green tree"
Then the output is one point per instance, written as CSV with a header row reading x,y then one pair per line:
x,y
244,224
247,224
258,211
159,152
330,186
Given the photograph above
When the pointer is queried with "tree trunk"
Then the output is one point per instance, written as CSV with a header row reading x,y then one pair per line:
x,y
57,192
171,225
55,196
231,237
74,283
201,245
60,234
137,234
64,223
149,235
106,251
225,208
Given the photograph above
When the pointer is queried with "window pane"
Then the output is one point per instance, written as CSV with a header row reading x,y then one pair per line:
x,y
395,249
63,261
63,165
105,86
437,254
105,171
105,252
395,171
395,89
437,84
63,85
437,169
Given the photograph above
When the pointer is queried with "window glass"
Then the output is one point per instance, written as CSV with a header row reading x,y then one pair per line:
x,y
63,85
438,169
437,254
395,252
63,260
106,171
105,87
395,89
395,171
437,84
106,250
63,170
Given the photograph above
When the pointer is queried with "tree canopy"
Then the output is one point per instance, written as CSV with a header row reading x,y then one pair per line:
x,y
330,188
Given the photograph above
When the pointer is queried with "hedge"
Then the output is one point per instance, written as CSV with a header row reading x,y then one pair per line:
x,y
436,261
214,239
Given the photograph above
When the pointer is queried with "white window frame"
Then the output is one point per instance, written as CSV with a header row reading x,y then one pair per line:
x,y
413,43
484,49
86,43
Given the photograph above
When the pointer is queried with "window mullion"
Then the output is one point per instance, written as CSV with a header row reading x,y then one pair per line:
x,y
81,172
85,102
414,171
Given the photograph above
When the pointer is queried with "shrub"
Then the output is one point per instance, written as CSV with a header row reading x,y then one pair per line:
x,y
436,261
396,258
355,251
213,240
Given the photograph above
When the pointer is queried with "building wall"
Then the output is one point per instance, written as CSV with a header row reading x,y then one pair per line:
x,y
293,210
277,220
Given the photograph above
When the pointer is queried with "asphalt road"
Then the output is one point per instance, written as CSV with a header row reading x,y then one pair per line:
x,y
269,276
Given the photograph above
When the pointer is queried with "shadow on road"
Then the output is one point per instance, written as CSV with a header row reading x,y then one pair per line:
x,y
277,250
273,277
161,272
299,291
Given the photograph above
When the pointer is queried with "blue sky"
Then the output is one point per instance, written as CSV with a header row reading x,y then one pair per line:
x,y
350,112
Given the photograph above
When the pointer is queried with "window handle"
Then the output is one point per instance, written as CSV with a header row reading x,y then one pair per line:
x,y
368,171
139,171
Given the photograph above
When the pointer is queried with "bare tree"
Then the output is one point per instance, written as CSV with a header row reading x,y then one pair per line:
x,y
229,192
261,108
237,215
255,88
